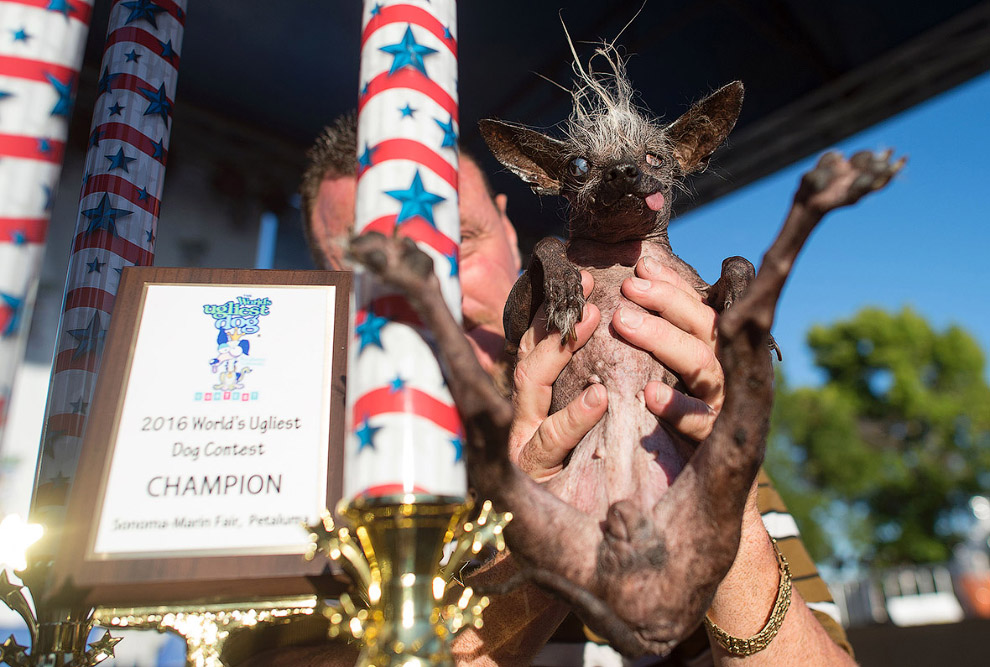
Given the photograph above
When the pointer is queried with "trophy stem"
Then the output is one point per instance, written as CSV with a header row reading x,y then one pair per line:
x,y
403,543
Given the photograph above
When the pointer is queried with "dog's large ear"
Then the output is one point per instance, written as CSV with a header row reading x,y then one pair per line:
x,y
536,158
704,127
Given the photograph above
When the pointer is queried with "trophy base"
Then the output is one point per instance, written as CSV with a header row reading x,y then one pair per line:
x,y
403,542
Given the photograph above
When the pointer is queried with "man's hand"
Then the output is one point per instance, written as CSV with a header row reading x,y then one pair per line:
x,y
683,338
538,444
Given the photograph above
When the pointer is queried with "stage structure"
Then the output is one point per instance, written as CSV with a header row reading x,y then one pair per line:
x,y
41,50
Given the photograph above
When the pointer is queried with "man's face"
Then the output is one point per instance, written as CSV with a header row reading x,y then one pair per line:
x,y
333,219
489,262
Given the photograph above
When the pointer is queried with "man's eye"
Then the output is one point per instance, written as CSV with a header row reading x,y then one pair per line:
x,y
653,160
579,167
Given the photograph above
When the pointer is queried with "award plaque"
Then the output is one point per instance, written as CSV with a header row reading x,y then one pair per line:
x,y
215,434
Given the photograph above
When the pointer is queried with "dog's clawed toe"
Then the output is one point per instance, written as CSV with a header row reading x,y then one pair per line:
x,y
397,260
836,181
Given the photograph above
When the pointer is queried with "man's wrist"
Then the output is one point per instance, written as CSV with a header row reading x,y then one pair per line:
x,y
746,646
746,596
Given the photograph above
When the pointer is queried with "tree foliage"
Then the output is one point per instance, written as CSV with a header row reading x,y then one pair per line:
x,y
878,463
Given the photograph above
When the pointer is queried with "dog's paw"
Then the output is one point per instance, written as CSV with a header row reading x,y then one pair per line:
x,y
836,181
397,260
564,301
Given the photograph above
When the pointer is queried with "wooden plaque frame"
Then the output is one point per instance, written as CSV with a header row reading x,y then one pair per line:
x,y
149,580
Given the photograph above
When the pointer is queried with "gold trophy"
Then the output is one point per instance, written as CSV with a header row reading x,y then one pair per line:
x,y
409,608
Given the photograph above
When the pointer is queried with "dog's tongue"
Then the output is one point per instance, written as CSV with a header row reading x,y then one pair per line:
x,y
655,201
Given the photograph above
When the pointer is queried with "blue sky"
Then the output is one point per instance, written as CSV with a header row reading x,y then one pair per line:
x,y
924,241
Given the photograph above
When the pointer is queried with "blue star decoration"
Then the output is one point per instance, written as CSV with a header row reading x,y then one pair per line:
x,y
21,35
167,51
79,407
119,270
64,90
119,161
449,136
366,434
370,331
407,53
12,304
143,194
458,444
115,109
446,33
455,266
90,339
95,136
377,9
396,385
151,235
105,84
365,88
44,145
61,6
4,95
158,149
95,265
104,216
159,103
407,111
18,237
132,56
143,10
49,199
366,158
416,201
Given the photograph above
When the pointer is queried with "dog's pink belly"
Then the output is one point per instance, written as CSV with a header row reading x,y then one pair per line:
x,y
629,454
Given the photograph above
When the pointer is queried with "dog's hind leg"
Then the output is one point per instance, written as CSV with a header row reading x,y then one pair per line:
x,y
659,573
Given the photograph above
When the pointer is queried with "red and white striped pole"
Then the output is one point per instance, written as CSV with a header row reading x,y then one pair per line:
x,y
41,50
405,432
405,480
117,222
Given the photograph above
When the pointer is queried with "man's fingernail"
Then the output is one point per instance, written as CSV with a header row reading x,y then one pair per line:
x,y
631,318
592,396
640,284
650,265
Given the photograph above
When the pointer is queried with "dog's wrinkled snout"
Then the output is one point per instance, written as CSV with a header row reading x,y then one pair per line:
x,y
620,180
622,176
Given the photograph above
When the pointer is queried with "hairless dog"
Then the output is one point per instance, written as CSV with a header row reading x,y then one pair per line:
x,y
658,524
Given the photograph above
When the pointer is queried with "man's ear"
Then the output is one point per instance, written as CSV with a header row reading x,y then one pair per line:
x,y
534,157
704,127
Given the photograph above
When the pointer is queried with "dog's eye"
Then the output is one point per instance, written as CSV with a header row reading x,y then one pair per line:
x,y
579,167
653,160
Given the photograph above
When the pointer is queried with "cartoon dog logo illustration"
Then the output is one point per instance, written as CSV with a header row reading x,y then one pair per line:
x,y
231,347
235,320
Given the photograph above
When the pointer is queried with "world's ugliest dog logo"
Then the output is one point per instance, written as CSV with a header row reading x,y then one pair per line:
x,y
235,320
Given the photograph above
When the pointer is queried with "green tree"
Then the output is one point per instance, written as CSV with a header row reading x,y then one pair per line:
x,y
878,463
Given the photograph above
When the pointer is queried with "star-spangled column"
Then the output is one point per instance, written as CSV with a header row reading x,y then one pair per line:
x,y
404,433
116,225
41,50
